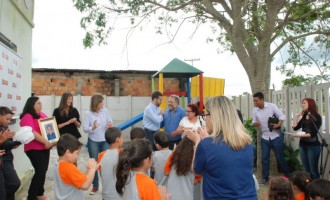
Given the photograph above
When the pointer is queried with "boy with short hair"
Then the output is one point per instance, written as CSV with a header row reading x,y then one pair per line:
x,y
9,180
108,159
137,132
69,181
162,142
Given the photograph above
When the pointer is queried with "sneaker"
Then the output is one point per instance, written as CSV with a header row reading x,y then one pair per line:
x,y
93,191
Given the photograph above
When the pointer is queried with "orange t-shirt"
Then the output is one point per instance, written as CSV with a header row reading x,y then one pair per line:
x,y
147,188
70,174
300,196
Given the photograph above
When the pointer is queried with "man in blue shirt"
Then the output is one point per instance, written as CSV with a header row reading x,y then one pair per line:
x,y
153,116
172,118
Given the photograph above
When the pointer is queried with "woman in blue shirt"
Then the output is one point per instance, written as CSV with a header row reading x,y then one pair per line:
x,y
225,157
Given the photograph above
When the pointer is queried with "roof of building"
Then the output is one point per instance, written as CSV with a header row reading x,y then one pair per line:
x,y
92,70
178,69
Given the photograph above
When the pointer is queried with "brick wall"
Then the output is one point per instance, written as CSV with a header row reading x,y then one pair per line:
x,y
89,83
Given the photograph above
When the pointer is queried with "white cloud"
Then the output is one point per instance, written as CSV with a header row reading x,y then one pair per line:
x,y
57,43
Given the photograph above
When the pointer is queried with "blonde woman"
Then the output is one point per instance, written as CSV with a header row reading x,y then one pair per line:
x,y
97,121
225,157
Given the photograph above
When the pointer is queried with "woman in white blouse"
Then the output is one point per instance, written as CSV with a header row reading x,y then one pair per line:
x,y
191,121
97,121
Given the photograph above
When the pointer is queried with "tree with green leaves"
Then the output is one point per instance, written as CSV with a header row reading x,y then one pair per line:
x,y
255,30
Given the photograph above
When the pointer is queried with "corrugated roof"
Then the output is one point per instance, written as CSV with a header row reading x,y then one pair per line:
x,y
90,70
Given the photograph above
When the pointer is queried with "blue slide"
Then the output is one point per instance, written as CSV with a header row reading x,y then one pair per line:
x,y
130,122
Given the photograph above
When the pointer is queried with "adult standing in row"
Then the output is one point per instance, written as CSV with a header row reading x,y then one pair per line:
x,y
11,180
67,116
97,121
172,118
38,149
270,139
191,121
225,157
309,145
152,117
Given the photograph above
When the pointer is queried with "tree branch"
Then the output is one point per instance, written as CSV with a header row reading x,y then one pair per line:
x,y
297,37
180,6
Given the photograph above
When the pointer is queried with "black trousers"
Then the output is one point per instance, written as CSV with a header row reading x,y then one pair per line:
x,y
12,182
39,160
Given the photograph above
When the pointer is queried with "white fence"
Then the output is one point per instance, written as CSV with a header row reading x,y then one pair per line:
x,y
289,101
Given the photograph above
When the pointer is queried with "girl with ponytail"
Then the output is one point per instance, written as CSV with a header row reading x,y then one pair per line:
x,y
132,183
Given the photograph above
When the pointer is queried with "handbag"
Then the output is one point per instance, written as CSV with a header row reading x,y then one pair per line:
x,y
271,122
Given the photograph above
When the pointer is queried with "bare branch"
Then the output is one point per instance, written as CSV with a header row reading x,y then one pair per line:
x,y
297,37
180,6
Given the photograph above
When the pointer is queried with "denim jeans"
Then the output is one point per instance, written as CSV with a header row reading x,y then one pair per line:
x,y
278,146
310,159
150,137
94,148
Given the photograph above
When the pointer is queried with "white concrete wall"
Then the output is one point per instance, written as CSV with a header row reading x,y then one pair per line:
x,y
121,108
16,24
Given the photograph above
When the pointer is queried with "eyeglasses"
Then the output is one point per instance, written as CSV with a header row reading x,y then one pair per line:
x,y
189,111
204,116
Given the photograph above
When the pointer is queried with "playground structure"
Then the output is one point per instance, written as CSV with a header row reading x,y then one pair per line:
x,y
197,87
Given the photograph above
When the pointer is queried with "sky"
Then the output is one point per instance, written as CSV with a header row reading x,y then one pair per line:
x,y
57,43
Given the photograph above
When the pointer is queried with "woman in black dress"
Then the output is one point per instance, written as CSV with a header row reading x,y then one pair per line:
x,y
67,116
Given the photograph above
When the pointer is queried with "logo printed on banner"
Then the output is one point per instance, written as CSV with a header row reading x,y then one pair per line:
x,y
15,62
18,75
14,85
10,96
5,56
18,97
1,67
4,82
10,71
13,108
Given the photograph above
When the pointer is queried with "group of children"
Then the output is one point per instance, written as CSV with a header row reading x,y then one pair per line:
x,y
125,169
299,186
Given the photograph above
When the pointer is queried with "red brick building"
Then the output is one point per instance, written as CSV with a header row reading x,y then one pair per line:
x,y
89,82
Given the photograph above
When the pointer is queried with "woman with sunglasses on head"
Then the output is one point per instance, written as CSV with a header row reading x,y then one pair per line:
x,y
191,121
309,145
225,158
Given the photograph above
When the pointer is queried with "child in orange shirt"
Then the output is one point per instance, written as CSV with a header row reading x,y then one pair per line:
x,y
132,182
299,181
68,180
